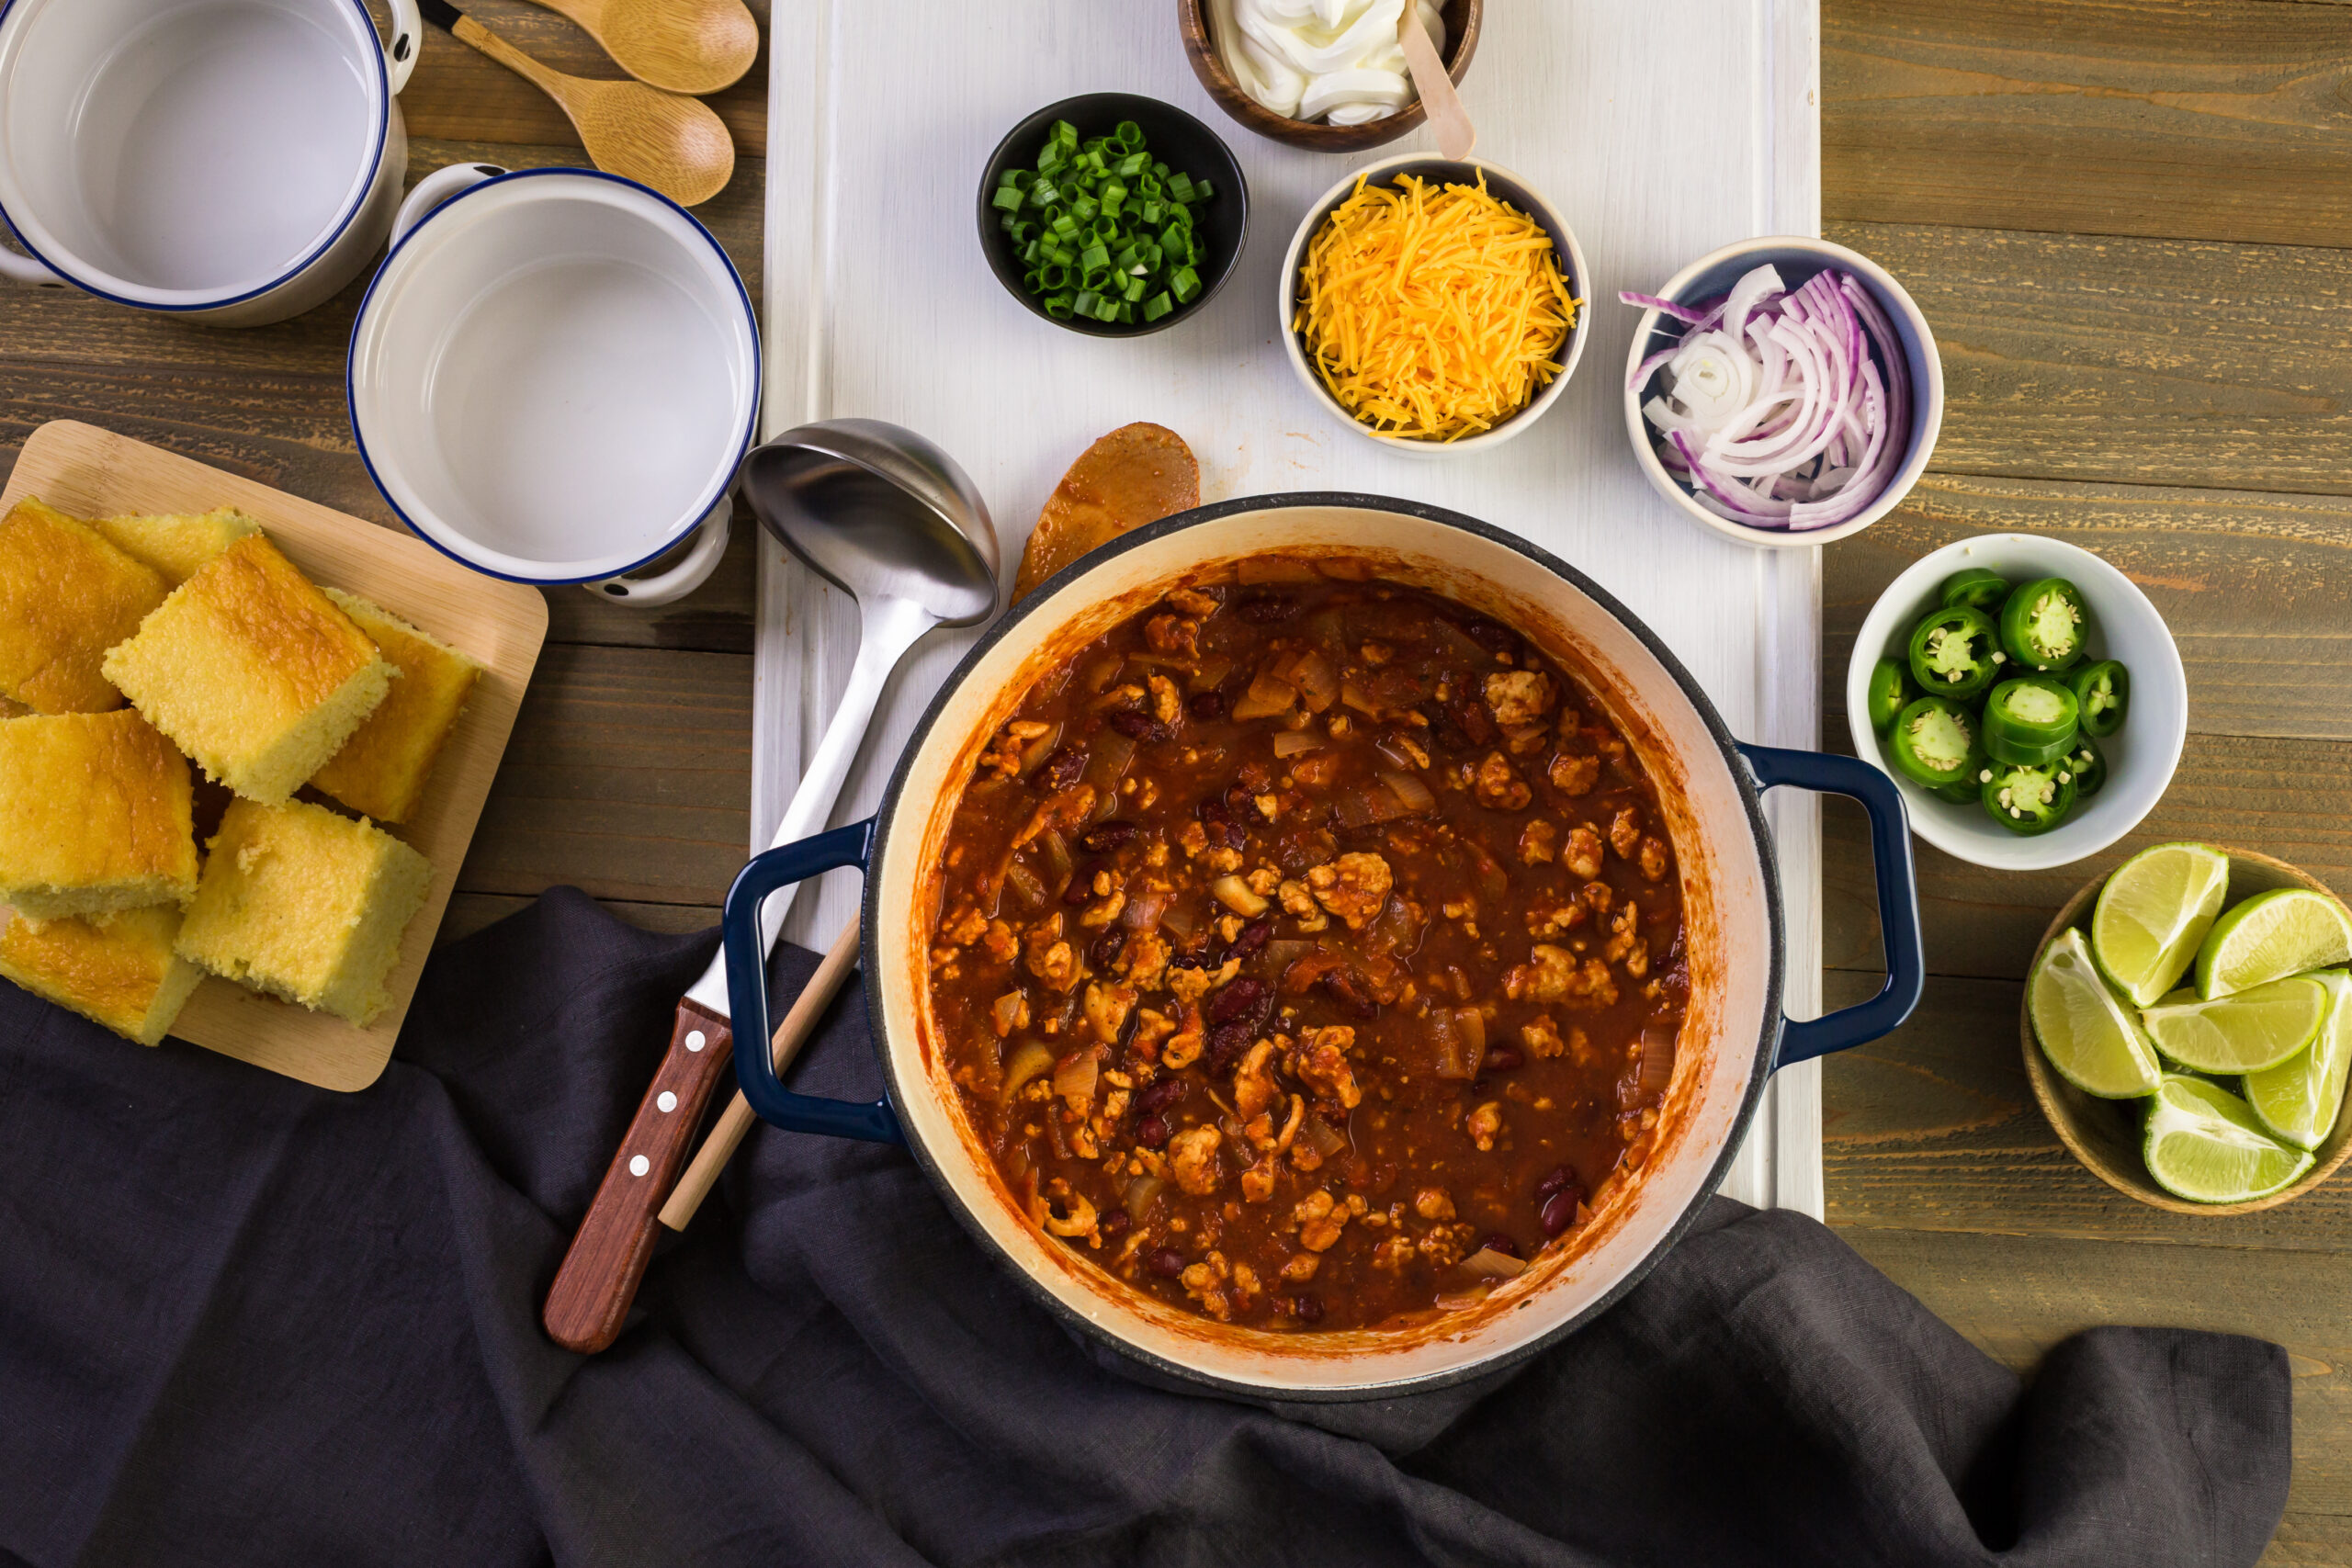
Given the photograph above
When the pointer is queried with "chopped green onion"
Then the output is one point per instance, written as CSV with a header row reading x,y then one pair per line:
x,y
1006,199
1157,306
1185,283
1101,230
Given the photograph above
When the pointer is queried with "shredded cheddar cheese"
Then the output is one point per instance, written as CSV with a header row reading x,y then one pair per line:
x,y
1432,312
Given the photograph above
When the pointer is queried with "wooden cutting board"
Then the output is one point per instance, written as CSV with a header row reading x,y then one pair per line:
x,y
90,472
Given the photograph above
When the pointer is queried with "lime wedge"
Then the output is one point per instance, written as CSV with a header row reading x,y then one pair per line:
x,y
2241,1033
2204,1144
2085,1029
2298,1100
2153,913
2291,931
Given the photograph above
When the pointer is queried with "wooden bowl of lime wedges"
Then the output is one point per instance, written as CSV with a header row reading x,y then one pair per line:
x,y
2188,1029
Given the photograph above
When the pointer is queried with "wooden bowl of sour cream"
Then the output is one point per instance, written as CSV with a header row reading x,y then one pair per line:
x,y
1198,20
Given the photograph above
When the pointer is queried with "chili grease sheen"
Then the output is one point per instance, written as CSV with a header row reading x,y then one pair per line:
x,y
1775,409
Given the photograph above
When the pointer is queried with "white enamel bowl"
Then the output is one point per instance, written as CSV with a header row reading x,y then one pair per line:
x,y
2141,756
1709,791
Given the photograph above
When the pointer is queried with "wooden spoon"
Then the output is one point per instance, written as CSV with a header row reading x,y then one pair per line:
x,y
679,45
677,145
1455,135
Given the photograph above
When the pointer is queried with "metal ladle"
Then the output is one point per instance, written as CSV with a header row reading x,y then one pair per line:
x,y
888,518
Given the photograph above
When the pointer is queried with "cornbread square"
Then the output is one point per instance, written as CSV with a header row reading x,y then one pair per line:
x,y
95,814
381,770
252,671
305,904
66,596
119,969
177,545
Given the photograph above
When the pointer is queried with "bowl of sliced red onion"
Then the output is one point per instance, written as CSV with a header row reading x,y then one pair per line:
x,y
1782,391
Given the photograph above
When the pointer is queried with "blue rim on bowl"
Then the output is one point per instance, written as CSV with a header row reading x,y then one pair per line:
x,y
2124,625
1507,186
1799,259
1174,138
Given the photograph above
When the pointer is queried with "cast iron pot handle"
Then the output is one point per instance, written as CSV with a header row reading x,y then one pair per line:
x,y
747,990
1898,898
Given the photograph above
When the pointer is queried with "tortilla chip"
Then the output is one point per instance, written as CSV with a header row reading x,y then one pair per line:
x,y
1138,474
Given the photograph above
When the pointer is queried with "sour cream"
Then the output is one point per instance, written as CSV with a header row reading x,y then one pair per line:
x,y
1336,60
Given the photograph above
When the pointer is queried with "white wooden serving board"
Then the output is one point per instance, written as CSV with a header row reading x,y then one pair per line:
x,y
1660,130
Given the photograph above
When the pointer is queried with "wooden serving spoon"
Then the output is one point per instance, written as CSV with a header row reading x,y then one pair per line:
x,y
677,145
680,46
1455,135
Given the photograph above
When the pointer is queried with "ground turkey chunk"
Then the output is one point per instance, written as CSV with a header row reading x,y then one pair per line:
x,y
1484,1124
1321,1064
1320,1220
1499,785
1051,959
963,928
1191,1160
1520,697
1353,887
1625,832
1253,1085
1552,975
1575,772
1173,635
1582,857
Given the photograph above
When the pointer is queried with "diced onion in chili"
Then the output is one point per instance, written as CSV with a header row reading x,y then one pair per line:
x,y
1369,805
1057,853
1030,1059
1321,1136
1235,894
1007,1013
1143,911
1075,1077
1410,792
1395,930
1494,882
1268,695
1393,748
1139,1198
1462,1298
1108,763
1316,679
1210,674
1487,1264
1025,882
1282,954
1455,1058
1357,698
1658,1061
1472,1024
1099,673
1040,748
1181,921
1291,742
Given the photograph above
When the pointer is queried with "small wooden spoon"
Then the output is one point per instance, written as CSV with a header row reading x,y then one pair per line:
x,y
677,145
1455,135
679,45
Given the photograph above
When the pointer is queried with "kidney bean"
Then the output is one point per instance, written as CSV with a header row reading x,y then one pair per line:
x,y
1115,1224
1505,1059
1063,768
1245,1001
1492,635
1241,800
1152,1132
1498,1242
1265,609
1206,707
1104,838
1470,715
1187,961
1228,1043
1160,1097
1307,1309
1081,883
1346,990
1559,1210
1137,726
1105,950
1165,1261
1561,1175
1251,938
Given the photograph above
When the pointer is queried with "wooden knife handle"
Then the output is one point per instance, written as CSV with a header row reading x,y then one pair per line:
x,y
592,1291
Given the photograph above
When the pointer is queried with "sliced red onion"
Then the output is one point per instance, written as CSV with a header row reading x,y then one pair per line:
x,y
1772,407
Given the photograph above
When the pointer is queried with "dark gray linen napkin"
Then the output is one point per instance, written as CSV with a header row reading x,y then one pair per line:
x,y
246,1322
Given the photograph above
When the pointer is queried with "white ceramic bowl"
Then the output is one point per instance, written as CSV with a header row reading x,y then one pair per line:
x,y
1799,259
1505,186
2141,756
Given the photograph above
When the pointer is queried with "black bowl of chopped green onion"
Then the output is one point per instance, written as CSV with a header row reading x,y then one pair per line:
x,y
1112,215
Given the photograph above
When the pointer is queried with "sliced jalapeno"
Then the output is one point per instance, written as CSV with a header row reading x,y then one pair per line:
x,y
1933,740
2042,623
2103,691
1964,790
2032,719
2088,764
1891,689
2027,797
1973,588
1954,652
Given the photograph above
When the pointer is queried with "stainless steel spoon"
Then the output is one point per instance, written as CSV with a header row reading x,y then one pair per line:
x,y
887,517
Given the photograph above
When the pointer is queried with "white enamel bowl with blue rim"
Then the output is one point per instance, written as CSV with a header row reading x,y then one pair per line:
x,y
2141,756
553,378
1710,791
1797,260
229,162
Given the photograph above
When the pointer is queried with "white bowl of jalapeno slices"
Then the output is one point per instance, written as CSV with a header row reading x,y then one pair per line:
x,y
2026,696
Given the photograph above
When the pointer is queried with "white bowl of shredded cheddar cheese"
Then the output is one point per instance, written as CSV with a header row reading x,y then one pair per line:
x,y
1467,346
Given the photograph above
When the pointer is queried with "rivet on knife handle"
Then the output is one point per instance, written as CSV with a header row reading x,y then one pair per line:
x,y
593,1289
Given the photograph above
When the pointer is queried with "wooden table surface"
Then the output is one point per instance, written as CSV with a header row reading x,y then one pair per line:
x,y
2130,222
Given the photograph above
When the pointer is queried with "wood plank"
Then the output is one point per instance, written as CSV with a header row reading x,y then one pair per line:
x,y
2257,589
459,94
2133,361
2190,118
470,912
2309,1540
267,404
2016,1297
1934,1129
628,775
2285,797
